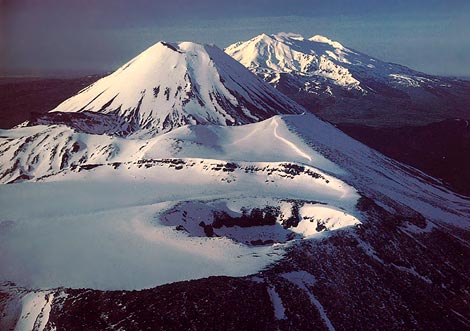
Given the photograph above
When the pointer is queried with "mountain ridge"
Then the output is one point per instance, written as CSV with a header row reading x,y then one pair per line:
x,y
340,84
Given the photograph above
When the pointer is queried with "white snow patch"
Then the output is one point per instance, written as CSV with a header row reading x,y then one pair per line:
x,y
411,228
287,142
36,307
279,310
302,279
331,218
321,39
405,80
413,272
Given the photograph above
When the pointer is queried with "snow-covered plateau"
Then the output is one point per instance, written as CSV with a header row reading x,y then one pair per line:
x,y
96,219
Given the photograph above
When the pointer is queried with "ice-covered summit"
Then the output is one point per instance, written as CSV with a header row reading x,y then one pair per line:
x,y
334,81
289,52
170,85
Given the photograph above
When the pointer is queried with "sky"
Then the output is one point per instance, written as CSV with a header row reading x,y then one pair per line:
x,y
52,37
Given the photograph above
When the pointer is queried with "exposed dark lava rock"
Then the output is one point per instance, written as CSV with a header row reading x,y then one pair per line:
x,y
214,303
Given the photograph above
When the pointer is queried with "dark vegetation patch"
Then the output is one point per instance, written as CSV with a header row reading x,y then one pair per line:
x,y
225,167
291,170
256,217
295,218
167,93
81,167
285,170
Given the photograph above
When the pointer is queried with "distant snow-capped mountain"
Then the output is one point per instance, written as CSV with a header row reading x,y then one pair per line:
x,y
170,85
318,57
343,85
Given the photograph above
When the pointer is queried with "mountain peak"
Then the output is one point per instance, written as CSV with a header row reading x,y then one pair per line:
x,y
171,85
263,37
290,36
329,79
292,53
169,45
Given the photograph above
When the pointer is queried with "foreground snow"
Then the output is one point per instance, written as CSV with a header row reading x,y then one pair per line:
x,y
108,225
100,226
105,232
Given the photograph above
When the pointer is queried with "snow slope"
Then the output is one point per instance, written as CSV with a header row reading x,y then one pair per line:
x,y
145,200
170,85
34,152
106,221
300,139
36,307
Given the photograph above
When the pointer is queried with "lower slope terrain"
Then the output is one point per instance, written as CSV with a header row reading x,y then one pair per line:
x,y
296,225
440,149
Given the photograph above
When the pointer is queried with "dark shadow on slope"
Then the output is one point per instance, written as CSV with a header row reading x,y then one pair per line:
x,y
440,149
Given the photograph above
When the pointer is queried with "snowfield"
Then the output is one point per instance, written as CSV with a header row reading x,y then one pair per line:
x,y
35,310
100,225
101,228
148,177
